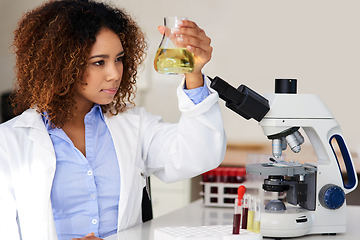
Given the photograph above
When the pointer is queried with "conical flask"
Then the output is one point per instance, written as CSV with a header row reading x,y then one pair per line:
x,y
172,57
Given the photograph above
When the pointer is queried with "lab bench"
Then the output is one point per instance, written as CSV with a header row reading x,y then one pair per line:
x,y
196,214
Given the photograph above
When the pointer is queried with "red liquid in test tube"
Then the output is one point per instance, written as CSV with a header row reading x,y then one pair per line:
x,y
236,224
225,174
238,210
245,211
219,174
232,179
240,174
211,178
205,177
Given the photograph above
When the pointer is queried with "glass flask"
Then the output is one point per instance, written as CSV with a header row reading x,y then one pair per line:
x,y
172,57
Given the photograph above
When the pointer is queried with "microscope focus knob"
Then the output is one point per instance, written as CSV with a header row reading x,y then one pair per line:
x,y
331,196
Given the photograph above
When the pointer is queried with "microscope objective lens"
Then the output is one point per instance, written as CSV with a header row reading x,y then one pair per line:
x,y
293,143
277,148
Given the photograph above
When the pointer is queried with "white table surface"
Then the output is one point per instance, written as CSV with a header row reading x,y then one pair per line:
x,y
196,214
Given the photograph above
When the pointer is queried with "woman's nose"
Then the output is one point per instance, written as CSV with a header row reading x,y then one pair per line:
x,y
114,72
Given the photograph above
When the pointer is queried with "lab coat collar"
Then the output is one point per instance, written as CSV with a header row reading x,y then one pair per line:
x,y
39,135
29,119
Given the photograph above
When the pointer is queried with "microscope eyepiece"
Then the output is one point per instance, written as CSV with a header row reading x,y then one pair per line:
x,y
286,86
243,100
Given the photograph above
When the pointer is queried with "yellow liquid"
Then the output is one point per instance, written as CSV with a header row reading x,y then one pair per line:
x,y
174,61
250,220
256,227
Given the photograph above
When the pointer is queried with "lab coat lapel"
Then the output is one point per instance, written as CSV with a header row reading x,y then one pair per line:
x,y
38,134
124,129
44,168
42,165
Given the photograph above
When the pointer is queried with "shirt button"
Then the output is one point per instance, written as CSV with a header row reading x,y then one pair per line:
x,y
94,221
92,195
89,173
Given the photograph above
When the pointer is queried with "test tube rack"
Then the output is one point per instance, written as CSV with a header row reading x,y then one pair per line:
x,y
218,194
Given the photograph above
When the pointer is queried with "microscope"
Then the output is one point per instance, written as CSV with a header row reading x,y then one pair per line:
x,y
315,192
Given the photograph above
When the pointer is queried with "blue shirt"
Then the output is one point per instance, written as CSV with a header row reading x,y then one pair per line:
x,y
85,191
197,95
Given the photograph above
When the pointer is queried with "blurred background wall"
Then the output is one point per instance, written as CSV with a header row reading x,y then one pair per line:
x,y
255,42
316,42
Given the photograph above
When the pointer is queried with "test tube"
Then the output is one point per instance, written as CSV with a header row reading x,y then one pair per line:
x,y
230,179
225,175
226,179
240,174
245,211
238,209
257,216
237,217
219,174
251,212
204,177
211,178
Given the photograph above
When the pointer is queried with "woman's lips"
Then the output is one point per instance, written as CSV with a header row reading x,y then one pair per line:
x,y
111,91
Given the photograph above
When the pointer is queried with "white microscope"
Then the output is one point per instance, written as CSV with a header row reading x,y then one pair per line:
x,y
315,200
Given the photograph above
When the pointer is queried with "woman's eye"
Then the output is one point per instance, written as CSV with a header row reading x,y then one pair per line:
x,y
99,63
120,59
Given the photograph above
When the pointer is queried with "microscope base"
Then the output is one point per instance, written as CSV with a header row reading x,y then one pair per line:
x,y
296,222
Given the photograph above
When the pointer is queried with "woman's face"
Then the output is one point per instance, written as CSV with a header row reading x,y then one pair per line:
x,y
105,70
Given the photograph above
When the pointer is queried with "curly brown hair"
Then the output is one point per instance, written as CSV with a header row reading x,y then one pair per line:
x,y
52,44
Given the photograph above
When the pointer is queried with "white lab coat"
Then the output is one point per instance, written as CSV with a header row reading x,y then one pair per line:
x,y
144,145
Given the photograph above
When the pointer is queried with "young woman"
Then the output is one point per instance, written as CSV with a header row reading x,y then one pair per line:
x,y
74,161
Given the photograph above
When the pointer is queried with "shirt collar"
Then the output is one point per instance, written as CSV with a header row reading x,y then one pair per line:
x,y
94,110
